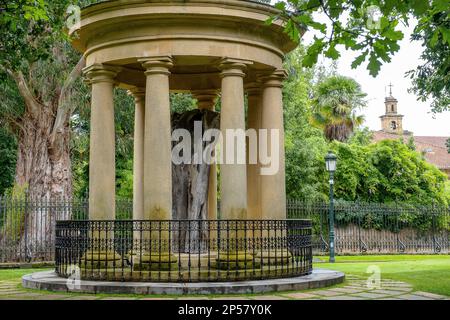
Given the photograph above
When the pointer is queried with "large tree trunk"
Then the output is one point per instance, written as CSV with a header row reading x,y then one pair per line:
x,y
45,168
42,165
43,161
190,184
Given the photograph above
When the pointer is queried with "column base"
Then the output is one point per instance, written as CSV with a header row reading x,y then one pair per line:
x,y
154,261
101,259
274,257
235,261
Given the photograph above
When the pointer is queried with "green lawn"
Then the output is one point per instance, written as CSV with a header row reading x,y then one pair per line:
x,y
429,273
16,274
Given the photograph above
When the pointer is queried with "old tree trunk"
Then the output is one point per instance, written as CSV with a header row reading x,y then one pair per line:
x,y
43,164
43,158
190,182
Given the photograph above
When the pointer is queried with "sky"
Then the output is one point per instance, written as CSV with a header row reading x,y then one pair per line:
x,y
417,115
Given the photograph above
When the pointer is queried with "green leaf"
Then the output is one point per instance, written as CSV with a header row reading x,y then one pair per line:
x,y
313,52
445,34
269,20
292,31
434,39
348,42
359,59
384,23
440,5
332,53
393,34
374,65
319,26
419,6
381,50
313,3
280,5
306,20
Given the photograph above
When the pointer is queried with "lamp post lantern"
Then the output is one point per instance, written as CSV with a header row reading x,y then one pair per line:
x,y
330,162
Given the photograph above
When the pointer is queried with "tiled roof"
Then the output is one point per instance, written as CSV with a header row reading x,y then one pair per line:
x,y
435,147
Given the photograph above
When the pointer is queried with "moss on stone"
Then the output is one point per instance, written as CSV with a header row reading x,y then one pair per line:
x,y
155,257
235,265
101,256
154,266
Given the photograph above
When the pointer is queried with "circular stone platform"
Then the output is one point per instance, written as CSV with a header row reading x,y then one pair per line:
x,y
49,280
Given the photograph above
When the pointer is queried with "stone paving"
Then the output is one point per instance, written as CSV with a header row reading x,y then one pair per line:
x,y
355,288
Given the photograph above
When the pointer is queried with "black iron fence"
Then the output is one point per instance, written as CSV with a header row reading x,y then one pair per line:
x,y
27,226
181,250
377,228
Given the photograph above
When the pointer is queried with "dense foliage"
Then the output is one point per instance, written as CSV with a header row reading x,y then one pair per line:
x,y
22,22
383,172
432,79
371,28
305,145
337,101
8,156
387,171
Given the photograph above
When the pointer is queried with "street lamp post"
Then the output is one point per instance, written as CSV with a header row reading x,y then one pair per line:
x,y
330,162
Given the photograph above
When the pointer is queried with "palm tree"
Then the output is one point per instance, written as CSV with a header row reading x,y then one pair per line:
x,y
335,104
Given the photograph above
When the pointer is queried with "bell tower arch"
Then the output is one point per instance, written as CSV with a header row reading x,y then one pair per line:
x,y
391,121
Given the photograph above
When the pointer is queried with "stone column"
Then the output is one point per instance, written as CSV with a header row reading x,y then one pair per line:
x,y
273,187
157,145
138,164
233,255
138,156
253,170
101,167
102,170
233,176
207,101
157,166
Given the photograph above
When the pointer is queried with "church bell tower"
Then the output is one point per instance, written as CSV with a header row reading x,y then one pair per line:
x,y
391,121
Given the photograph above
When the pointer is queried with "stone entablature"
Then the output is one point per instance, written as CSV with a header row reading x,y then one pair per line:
x,y
197,34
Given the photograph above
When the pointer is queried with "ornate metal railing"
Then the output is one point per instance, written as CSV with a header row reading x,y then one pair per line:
x,y
27,226
377,228
184,251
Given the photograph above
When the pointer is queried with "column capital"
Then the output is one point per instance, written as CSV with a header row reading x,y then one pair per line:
x,y
273,79
157,65
206,98
205,92
253,88
137,93
99,72
233,67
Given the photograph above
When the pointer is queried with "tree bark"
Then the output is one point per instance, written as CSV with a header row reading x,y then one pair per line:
x,y
43,156
42,166
190,185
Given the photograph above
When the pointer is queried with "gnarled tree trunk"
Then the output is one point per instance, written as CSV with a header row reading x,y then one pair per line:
x,y
190,184
43,165
43,156
46,169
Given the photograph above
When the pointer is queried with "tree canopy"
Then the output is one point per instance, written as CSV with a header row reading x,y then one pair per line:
x,y
337,99
386,171
371,28
38,55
